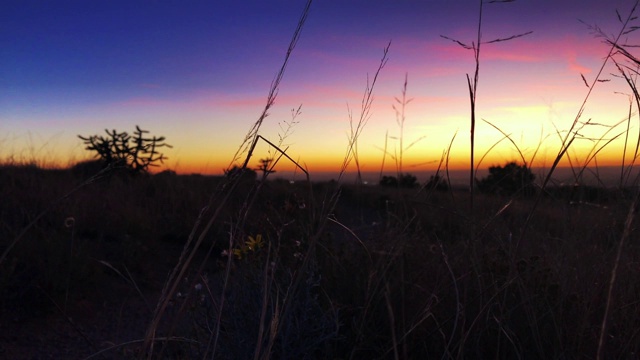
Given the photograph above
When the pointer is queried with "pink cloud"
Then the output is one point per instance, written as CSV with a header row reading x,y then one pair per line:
x,y
515,54
574,66
527,49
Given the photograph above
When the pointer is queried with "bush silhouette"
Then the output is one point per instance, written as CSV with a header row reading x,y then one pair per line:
x,y
87,168
404,181
389,181
137,153
508,180
437,182
407,181
245,174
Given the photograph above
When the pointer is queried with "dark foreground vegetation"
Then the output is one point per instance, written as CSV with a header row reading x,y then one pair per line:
x,y
393,273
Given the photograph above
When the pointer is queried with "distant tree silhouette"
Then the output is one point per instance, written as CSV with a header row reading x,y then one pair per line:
x,y
437,182
246,174
389,181
404,181
508,180
407,181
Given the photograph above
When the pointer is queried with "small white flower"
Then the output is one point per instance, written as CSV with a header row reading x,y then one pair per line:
x,y
198,287
69,222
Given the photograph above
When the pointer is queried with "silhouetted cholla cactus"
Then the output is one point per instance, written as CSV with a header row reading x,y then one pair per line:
x,y
135,152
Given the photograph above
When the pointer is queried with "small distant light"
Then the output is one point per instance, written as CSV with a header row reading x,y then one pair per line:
x,y
292,182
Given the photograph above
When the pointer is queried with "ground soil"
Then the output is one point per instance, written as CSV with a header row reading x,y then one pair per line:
x,y
96,317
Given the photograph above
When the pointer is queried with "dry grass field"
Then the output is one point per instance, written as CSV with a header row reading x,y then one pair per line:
x,y
405,273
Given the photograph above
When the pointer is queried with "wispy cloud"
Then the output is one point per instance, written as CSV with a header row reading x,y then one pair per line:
x,y
139,102
574,65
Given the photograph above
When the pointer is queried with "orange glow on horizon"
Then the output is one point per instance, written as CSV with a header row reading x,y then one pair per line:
x,y
422,158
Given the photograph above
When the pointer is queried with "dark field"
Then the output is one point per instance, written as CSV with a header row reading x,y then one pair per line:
x,y
315,271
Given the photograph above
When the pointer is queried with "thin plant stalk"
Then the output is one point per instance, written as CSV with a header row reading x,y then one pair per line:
x,y
400,120
631,82
356,128
572,133
472,85
628,227
275,86
384,153
193,243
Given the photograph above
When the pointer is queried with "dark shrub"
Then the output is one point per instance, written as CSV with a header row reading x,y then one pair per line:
x,y
389,181
437,182
88,168
407,181
508,180
246,174
404,181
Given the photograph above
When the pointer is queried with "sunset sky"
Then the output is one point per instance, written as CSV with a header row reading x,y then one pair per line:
x,y
198,72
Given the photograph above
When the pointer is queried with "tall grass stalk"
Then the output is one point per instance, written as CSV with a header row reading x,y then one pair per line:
x,y
472,85
217,200
633,210
573,133
384,154
273,91
400,120
356,127
629,75
399,107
